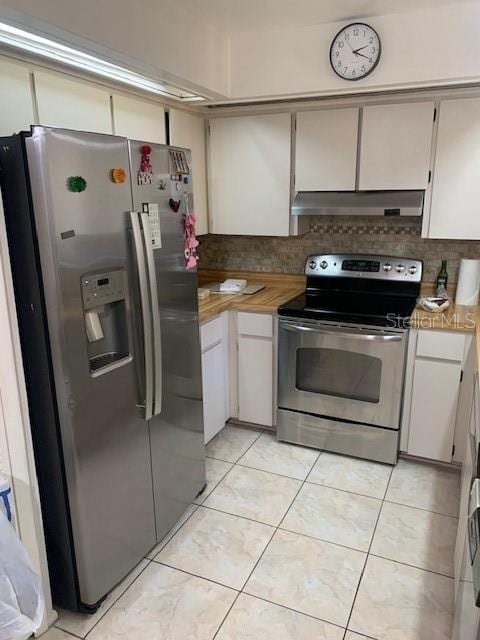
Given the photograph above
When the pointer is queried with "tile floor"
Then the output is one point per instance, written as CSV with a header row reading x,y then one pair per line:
x,y
293,544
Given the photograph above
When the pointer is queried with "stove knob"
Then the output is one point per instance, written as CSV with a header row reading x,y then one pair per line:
x,y
412,269
387,266
312,264
400,268
324,264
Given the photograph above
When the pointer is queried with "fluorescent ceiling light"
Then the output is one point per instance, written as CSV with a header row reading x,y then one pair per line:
x,y
32,43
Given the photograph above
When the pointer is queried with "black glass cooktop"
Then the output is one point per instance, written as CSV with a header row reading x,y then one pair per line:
x,y
353,307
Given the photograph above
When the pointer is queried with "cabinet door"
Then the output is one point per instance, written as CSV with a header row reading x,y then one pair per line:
x,y
255,380
249,175
456,184
188,131
138,119
16,101
72,104
395,146
213,380
326,150
433,409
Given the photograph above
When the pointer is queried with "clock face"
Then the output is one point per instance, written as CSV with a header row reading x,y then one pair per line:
x,y
355,51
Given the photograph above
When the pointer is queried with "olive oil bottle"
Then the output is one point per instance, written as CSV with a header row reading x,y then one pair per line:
x,y
442,280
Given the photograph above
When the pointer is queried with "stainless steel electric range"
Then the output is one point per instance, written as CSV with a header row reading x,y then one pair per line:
x,y
342,352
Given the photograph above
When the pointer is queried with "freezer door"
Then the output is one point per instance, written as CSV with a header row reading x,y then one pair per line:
x,y
84,242
176,417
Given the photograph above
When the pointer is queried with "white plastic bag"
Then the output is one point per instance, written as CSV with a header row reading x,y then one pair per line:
x,y
21,599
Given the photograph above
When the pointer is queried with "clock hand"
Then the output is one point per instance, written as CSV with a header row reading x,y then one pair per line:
x,y
357,50
348,42
361,54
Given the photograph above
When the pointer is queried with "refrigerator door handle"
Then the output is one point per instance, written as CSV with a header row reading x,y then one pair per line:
x,y
157,334
146,312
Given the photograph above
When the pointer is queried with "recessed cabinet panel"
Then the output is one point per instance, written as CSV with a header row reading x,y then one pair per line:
x,y
454,210
213,381
72,104
16,101
139,119
395,146
249,175
188,131
432,416
326,150
255,380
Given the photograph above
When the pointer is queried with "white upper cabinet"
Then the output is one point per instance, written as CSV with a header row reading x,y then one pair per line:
x,y
188,131
395,146
456,177
249,175
326,150
16,101
72,104
138,119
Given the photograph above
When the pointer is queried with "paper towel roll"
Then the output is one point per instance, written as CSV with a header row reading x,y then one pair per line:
x,y
468,286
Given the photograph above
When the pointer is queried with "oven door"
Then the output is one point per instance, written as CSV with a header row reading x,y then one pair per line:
x,y
344,372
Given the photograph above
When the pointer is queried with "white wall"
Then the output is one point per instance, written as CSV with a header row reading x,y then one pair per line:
x,y
159,33
16,454
428,46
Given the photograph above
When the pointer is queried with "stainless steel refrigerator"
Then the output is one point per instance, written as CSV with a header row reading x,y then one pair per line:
x,y
108,319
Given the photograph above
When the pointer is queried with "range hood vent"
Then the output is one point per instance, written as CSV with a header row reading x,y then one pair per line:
x,y
358,203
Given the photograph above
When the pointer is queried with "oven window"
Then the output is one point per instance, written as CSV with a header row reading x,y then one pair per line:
x,y
334,372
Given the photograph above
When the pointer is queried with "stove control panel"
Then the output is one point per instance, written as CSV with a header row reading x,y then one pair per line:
x,y
365,266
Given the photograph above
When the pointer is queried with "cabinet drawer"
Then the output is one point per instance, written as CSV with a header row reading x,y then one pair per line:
x,y
255,324
210,333
441,344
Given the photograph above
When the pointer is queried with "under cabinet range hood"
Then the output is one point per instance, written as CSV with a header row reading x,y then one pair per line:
x,y
358,203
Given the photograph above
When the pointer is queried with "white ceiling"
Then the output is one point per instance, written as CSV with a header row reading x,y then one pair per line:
x,y
263,15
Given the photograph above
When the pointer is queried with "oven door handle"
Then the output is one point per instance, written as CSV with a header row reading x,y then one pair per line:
x,y
343,334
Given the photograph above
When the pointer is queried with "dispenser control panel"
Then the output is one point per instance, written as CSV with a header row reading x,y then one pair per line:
x,y
103,288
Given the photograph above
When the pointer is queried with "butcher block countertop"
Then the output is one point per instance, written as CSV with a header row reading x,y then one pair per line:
x,y
279,288
456,318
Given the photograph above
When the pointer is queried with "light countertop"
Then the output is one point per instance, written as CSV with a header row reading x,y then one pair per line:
x,y
281,287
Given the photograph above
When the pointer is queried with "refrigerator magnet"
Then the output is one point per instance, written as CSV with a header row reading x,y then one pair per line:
x,y
145,173
76,184
174,204
119,175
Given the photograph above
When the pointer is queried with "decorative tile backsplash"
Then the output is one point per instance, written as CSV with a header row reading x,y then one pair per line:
x,y
331,234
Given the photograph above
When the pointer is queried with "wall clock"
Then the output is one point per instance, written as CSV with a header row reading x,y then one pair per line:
x,y
355,51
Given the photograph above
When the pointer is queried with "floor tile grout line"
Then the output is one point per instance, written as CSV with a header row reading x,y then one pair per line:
x,y
226,615
284,606
236,515
207,495
68,633
202,504
274,473
412,566
174,534
149,562
438,513
367,555
313,465
310,537
243,592
243,453
196,575
353,493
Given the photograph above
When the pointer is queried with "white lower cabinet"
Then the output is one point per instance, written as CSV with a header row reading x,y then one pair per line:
x,y
432,401
434,408
256,358
214,345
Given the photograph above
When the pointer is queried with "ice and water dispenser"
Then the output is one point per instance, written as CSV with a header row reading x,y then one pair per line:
x,y
104,298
